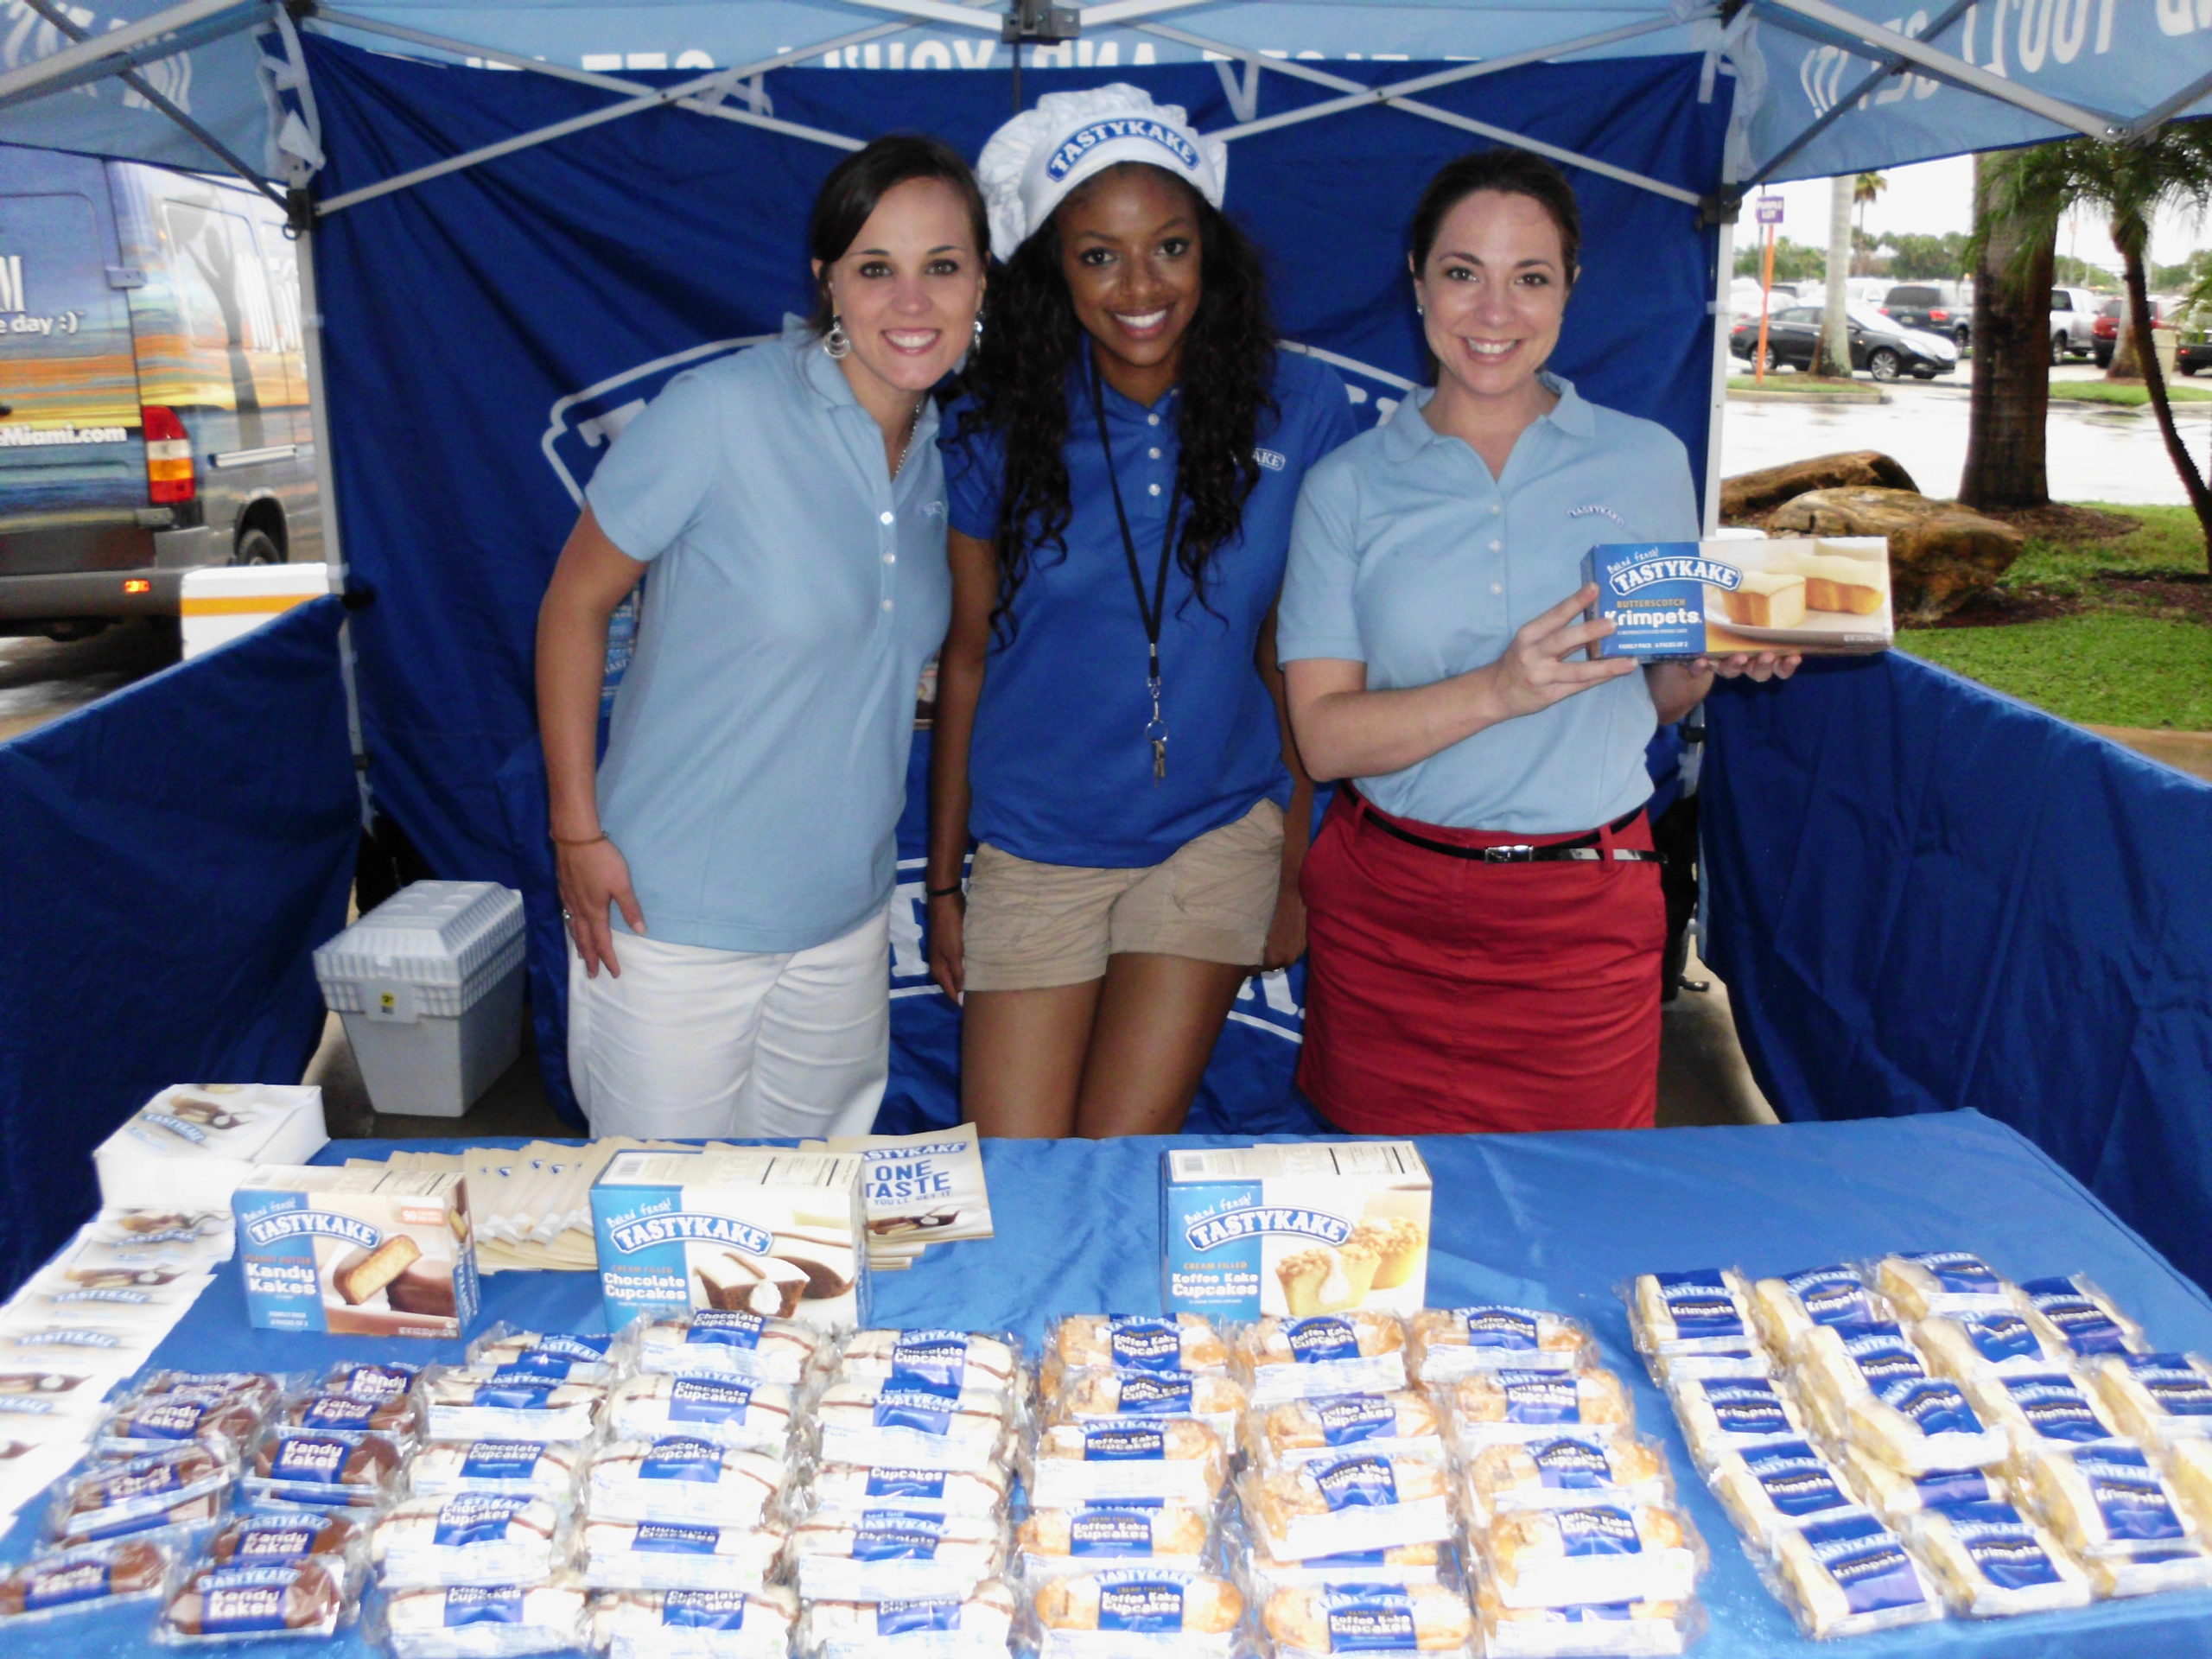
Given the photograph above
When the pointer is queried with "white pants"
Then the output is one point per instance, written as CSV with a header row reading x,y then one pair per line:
x,y
690,1043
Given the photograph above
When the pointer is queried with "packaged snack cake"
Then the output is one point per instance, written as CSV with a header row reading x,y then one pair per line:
x,y
1828,595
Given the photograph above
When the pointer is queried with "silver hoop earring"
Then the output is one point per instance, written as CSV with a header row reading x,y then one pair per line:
x,y
979,327
837,344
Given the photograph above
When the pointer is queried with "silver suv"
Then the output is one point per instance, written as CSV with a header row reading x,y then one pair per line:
x,y
2073,322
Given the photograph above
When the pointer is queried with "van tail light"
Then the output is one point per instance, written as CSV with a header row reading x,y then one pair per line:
x,y
1939,316
169,479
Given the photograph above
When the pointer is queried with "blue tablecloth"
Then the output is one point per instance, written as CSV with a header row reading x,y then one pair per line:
x,y
1555,1220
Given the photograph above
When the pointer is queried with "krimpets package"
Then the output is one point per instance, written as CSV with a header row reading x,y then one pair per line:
x,y
1828,596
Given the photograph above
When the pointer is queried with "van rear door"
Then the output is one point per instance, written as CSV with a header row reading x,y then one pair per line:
x,y
72,469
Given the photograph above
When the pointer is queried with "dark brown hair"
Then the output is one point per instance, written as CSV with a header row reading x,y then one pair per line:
x,y
1032,344
1515,173
857,184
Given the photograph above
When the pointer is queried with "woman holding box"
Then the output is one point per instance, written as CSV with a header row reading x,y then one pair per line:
x,y
1485,912
789,502
1108,725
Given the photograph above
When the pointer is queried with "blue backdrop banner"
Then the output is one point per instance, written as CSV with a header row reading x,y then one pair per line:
x,y
169,858
1925,896
488,332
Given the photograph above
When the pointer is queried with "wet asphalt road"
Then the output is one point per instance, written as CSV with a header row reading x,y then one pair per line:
x,y
2092,453
43,679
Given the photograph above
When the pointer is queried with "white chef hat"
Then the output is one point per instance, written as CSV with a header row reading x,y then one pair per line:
x,y
1033,160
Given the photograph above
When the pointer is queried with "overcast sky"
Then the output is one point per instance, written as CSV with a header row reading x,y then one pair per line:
x,y
1932,197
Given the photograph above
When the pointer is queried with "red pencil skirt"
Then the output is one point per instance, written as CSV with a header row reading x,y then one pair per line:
x,y
1446,996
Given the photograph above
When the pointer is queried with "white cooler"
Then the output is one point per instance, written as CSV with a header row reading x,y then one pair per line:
x,y
429,983
223,601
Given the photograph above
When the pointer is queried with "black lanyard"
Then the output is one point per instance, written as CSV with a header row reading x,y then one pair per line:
x,y
1153,608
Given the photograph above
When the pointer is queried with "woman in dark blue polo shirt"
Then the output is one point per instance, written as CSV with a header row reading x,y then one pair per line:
x,y
1109,731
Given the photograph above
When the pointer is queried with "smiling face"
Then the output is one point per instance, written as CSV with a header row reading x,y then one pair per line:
x,y
1494,289
1129,250
906,291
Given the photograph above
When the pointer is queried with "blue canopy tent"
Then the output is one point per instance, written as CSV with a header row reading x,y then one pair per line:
x,y
504,265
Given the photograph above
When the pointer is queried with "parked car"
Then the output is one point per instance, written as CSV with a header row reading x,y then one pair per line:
x,y
1944,308
2105,331
2195,352
2072,323
1877,344
153,393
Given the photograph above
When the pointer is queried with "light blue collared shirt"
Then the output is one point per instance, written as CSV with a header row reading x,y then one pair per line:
x,y
1407,555
757,764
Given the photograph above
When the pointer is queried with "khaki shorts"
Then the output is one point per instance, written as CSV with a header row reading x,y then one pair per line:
x,y
1032,925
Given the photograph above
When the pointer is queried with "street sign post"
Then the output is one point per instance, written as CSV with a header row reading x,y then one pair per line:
x,y
1769,216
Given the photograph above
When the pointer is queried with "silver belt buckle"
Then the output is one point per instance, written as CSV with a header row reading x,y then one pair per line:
x,y
1519,853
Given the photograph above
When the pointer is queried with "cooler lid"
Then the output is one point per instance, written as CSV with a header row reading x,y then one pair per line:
x,y
428,933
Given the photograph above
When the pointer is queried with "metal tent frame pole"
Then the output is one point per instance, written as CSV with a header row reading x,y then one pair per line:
x,y
94,57
1724,274
2093,123
1842,106
325,484
146,89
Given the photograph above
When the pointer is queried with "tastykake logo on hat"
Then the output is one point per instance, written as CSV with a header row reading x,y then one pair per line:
x,y
1078,144
1032,162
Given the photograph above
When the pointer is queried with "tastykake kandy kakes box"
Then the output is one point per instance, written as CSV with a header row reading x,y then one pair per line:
x,y
1294,1229
1826,596
758,1230
365,1252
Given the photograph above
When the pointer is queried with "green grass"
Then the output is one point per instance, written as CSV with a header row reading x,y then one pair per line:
x,y
2124,659
2169,544
2102,669
2122,393
1797,383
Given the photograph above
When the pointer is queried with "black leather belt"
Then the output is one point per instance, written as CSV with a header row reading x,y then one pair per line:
x,y
1582,849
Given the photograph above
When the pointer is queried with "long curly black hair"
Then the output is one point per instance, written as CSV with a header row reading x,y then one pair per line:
x,y
1017,376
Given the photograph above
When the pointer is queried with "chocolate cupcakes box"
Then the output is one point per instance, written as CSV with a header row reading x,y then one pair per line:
x,y
1825,595
369,1251
1298,1231
762,1230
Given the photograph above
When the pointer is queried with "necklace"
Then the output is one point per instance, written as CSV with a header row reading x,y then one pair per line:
x,y
913,425
1151,607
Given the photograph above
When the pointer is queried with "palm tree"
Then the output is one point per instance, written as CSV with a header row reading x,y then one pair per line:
x,y
2132,181
1864,189
2009,395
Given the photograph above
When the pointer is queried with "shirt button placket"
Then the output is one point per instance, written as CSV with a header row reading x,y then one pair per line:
x,y
888,538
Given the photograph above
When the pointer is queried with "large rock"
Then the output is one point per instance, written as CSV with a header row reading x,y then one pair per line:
x,y
1941,555
1750,495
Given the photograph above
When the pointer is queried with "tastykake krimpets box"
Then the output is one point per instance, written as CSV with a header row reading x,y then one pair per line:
x,y
368,1252
1813,594
1301,1229
746,1230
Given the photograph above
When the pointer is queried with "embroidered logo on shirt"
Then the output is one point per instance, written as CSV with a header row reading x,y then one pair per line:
x,y
1270,460
1600,510
932,508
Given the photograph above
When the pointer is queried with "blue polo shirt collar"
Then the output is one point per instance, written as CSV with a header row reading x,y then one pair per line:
x,y
1409,432
1120,407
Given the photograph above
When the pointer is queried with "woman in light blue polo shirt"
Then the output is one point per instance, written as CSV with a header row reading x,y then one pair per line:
x,y
726,874
1484,909
1122,480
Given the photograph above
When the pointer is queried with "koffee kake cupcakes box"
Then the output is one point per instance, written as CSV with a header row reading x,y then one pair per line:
x,y
1296,1230
1826,596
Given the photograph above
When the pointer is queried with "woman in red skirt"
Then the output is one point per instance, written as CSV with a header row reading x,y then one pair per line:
x,y
1484,912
